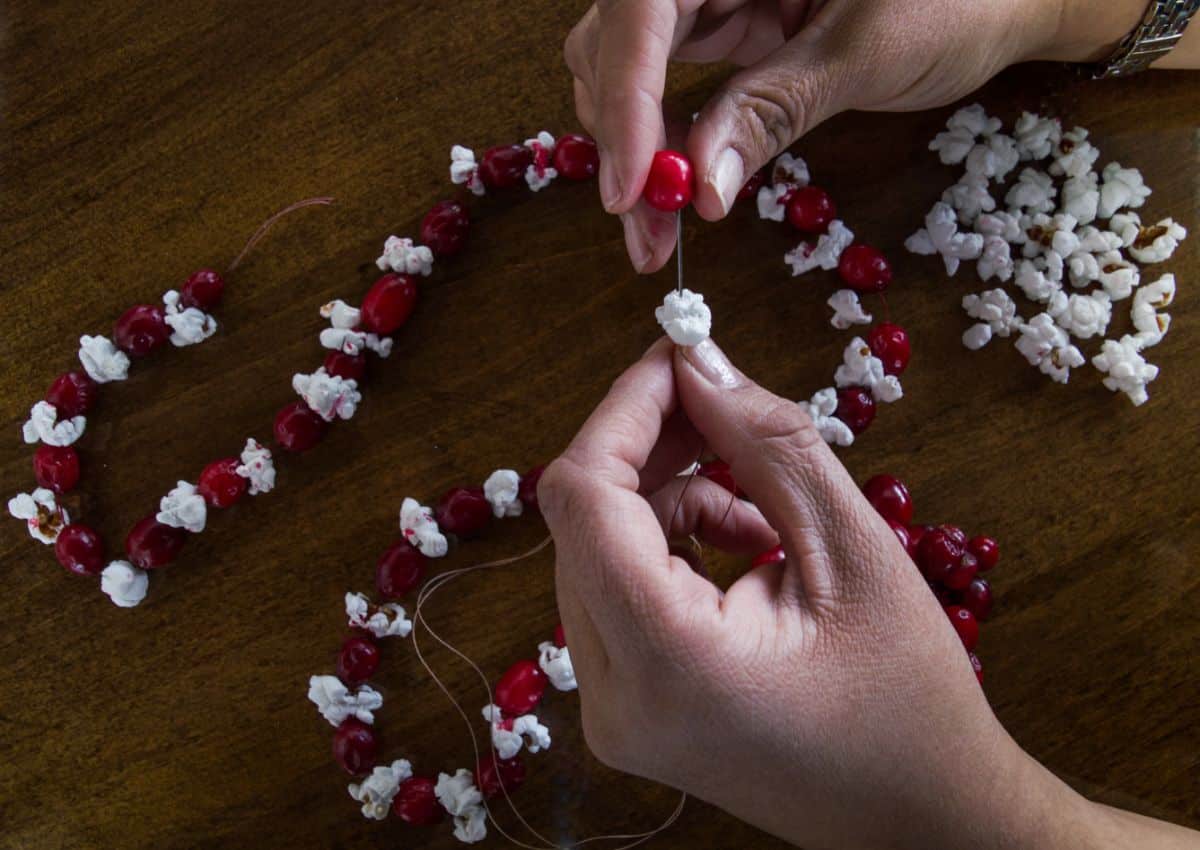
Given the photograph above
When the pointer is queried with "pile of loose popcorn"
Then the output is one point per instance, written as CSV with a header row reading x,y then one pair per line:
x,y
1064,224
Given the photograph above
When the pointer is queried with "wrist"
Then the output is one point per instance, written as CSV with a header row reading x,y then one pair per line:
x,y
1089,30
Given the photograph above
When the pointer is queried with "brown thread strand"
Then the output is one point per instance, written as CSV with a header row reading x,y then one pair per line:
x,y
266,225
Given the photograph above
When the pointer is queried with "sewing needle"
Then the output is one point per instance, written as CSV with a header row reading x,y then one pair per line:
x,y
679,252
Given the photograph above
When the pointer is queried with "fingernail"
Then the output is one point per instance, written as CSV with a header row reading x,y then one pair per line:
x,y
711,362
610,185
636,242
726,177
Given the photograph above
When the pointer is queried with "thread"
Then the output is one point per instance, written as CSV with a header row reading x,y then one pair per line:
x,y
266,225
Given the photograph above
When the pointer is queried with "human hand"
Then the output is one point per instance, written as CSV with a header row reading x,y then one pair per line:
x,y
805,61
826,699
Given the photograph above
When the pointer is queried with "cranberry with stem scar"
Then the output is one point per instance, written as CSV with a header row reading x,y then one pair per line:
x,y
669,184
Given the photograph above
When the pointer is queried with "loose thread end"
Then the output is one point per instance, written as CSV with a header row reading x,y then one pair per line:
x,y
266,225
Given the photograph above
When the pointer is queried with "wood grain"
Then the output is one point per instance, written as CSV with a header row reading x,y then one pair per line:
x,y
142,140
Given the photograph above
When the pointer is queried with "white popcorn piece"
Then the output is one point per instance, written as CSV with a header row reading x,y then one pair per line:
x,y
1034,192
421,530
952,146
463,169
861,368
847,310
336,702
44,517
183,508
401,255
1082,269
386,620
974,120
993,158
189,325
1096,241
1074,155
555,662
1127,371
102,360
1118,276
821,409
1003,225
329,396
977,336
940,235
508,738
995,308
1158,242
1033,281
771,203
257,467
996,260
1053,264
1080,197
502,490
969,197
1085,316
1036,136
825,254
1048,347
1050,234
1123,188
539,174
353,342
790,170
1150,324
341,315
685,317
459,796
1127,227
377,791
124,584
43,425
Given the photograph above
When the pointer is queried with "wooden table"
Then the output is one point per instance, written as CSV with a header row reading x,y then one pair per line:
x,y
143,140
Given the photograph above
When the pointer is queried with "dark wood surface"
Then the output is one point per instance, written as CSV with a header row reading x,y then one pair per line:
x,y
142,140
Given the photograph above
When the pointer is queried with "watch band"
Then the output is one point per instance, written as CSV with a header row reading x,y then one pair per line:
x,y
1160,30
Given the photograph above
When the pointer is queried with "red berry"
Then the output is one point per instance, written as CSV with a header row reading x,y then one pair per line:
x,y
890,344
965,624
357,660
355,745
80,550
750,187
888,495
527,487
718,472
464,511
865,268
977,598
504,166
416,803
771,556
956,534
944,595
56,467
388,303
856,407
915,533
151,544
496,775
72,394
810,209
901,532
298,428
348,366
141,329
576,157
961,574
220,485
444,228
520,688
399,569
986,550
203,290
560,637
977,666
669,184
938,554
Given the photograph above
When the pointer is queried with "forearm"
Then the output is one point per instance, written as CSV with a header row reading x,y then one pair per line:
x,y
1090,30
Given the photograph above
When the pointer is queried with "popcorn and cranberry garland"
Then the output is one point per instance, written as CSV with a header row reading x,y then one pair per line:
x,y
1056,217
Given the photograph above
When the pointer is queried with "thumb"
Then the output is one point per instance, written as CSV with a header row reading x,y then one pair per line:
x,y
761,110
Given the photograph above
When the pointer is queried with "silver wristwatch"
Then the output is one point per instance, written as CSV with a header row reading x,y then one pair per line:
x,y
1160,30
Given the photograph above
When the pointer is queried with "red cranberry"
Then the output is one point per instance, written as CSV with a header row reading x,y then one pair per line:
x,y
888,495
576,157
938,554
220,485
986,551
444,228
416,803
298,428
956,534
718,472
520,688
141,329
527,487
203,290
965,624
56,467
72,394
464,511
977,666
865,268
977,598
750,187
901,532
504,167
856,407
669,184
357,660
770,556
496,775
810,209
890,344
945,596
355,745
962,573
388,303
560,636
80,550
151,544
399,569
348,366
915,533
